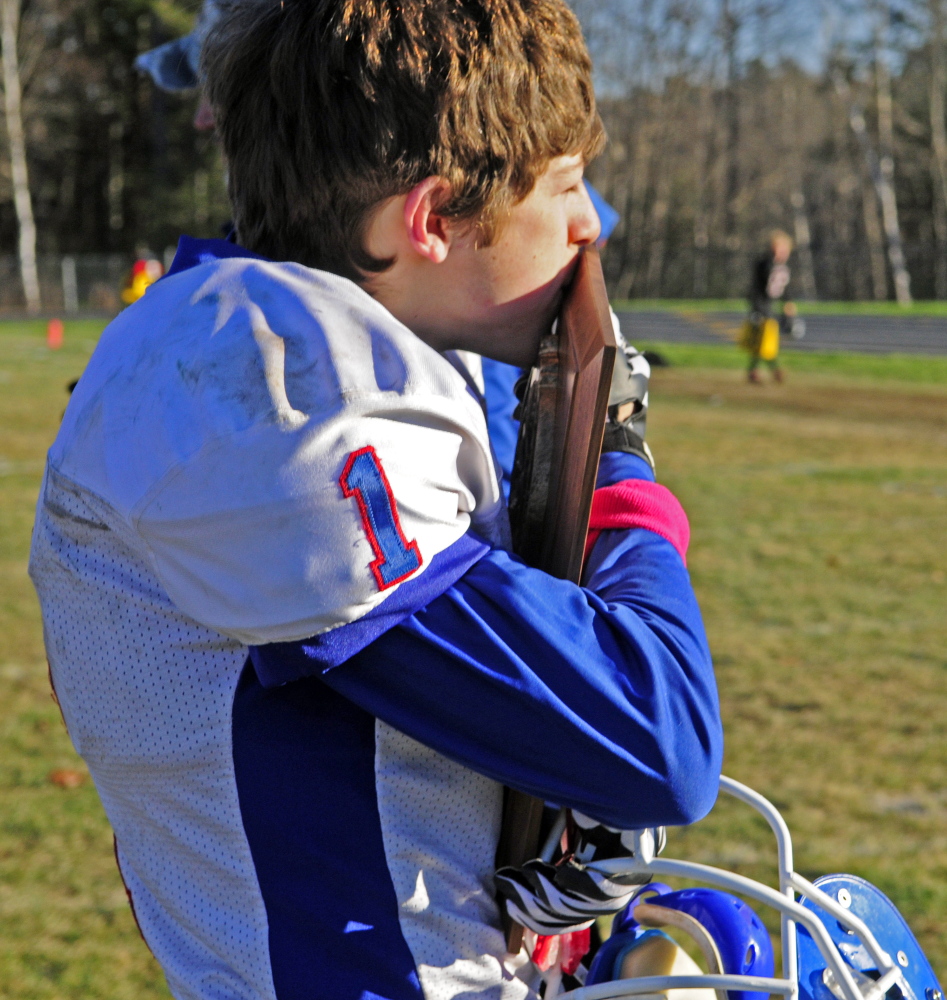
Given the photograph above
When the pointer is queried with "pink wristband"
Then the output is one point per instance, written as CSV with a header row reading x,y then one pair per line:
x,y
637,503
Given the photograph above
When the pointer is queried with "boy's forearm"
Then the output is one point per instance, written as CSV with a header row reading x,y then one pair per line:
x,y
600,698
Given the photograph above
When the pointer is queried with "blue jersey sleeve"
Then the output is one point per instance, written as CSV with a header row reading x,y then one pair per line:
x,y
499,380
600,697
618,465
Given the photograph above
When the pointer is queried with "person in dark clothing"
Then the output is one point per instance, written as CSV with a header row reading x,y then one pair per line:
x,y
769,285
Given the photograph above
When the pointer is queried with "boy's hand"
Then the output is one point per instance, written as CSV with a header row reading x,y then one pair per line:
x,y
628,401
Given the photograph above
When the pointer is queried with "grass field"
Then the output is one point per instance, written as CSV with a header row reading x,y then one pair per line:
x,y
865,308
819,551
64,920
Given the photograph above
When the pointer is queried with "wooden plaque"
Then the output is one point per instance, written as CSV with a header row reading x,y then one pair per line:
x,y
562,416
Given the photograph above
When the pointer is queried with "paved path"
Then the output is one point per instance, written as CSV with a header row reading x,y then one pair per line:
x,y
872,334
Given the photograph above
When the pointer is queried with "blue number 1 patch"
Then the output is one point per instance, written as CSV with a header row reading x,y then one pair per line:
x,y
395,557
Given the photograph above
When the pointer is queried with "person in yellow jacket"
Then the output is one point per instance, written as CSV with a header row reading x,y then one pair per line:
x,y
760,336
145,272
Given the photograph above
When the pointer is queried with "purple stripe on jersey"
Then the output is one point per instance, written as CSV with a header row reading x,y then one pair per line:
x,y
304,759
281,662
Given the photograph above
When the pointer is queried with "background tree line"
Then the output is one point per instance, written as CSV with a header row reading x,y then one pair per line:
x,y
115,165
726,118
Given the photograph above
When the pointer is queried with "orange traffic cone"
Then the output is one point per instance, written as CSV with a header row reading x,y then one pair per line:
x,y
54,332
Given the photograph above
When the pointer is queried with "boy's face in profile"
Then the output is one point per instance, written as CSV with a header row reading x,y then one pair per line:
x,y
513,289
497,300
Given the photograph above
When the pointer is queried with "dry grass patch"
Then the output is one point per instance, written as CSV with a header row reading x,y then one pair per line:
x,y
819,518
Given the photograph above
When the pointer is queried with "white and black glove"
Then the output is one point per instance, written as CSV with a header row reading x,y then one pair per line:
x,y
628,401
570,895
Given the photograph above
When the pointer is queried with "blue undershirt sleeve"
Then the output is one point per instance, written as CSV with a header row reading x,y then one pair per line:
x,y
616,466
499,380
600,697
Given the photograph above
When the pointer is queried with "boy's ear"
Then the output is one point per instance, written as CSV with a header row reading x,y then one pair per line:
x,y
429,232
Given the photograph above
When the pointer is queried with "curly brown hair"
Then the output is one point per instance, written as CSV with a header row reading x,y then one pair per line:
x,y
325,108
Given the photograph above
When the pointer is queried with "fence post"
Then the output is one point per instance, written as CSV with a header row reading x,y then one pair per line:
x,y
70,287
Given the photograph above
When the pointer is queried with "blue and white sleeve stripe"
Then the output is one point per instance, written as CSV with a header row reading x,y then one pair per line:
x,y
281,662
600,697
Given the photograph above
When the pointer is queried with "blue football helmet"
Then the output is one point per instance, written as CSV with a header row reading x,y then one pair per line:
x,y
742,943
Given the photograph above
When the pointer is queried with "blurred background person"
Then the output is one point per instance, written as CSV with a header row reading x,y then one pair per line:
x,y
768,287
145,272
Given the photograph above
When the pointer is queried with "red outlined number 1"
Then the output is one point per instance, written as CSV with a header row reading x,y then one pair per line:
x,y
395,557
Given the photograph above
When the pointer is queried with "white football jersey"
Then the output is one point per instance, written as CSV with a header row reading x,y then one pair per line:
x,y
259,453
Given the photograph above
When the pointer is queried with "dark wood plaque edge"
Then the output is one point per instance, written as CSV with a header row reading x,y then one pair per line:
x,y
587,350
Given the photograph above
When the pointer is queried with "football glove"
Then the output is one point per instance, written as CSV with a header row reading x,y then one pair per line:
x,y
628,401
570,895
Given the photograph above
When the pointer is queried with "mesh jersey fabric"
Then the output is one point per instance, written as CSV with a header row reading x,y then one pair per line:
x,y
146,694
191,505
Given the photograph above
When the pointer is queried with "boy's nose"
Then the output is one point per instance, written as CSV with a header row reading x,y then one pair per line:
x,y
585,226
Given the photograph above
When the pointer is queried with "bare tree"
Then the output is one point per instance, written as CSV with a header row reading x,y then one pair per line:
x,y
706,155
938,85
875,238
727,135
13,108
730,24
883,171
801,228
